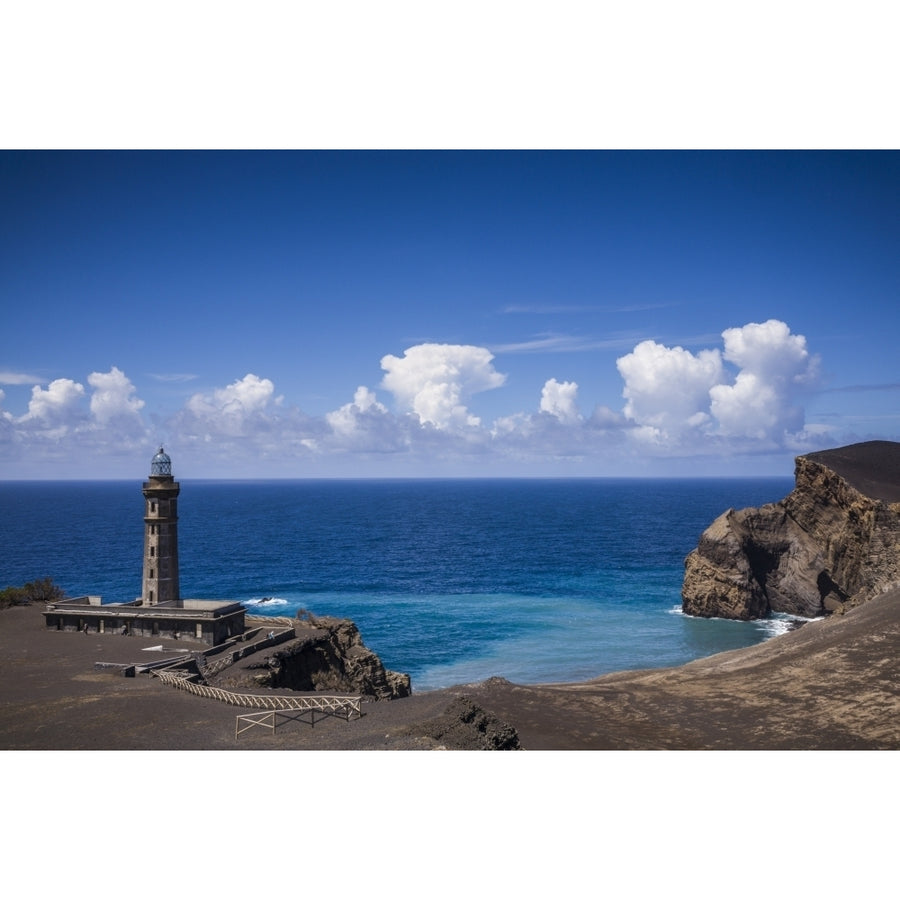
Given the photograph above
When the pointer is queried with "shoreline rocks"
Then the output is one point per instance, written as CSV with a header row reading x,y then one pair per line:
x,y
327,654
831,544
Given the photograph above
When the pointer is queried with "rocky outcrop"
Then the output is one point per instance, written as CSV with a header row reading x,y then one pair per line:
x,y
464,725
327,654
833,542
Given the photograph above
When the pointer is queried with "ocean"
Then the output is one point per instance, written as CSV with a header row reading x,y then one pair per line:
x,y
450,581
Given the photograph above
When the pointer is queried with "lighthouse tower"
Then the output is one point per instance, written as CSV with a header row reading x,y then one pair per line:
x,y
160,581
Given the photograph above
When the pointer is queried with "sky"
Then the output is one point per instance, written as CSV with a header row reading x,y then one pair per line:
x,y
445,313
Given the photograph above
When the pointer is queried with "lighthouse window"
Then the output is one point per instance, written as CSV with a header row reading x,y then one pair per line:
x,y
153,551
153,506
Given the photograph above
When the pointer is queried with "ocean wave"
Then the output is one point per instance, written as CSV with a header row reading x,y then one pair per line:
x,y
265,602
773,625
782,623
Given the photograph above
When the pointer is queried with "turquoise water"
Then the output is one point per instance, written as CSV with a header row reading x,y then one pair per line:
x,y
450,581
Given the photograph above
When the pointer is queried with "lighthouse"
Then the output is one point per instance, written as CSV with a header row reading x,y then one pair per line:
x,y
160,580
160,610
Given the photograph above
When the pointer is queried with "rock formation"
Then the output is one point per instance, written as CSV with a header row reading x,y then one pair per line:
x,y
327,654
833,542
464,725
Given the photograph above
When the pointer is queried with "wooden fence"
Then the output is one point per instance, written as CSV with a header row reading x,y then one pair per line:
x,y
293,708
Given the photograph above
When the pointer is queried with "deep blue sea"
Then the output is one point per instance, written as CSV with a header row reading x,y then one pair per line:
x,y
449,581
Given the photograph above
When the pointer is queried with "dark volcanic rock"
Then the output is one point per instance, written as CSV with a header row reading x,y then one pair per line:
x,y
832,542
466,726
327,655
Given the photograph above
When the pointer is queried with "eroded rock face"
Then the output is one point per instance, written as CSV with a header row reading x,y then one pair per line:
x,y
328,655
833,542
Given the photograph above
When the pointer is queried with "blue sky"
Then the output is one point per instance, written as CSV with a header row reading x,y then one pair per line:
x,y
459,313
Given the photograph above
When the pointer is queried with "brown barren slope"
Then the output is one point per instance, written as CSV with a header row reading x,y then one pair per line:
x,y
872,467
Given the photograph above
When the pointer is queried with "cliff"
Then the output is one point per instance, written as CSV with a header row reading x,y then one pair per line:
x,y
832,543
326,654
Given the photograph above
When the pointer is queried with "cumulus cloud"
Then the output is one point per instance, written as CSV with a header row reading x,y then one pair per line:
x,y
434,381
771,351
745,396
230,409
243,426
62,419
676,396
605,419
365,425
61,403
558,399
775,369
58,403
667,388
114,395
347,419
558,432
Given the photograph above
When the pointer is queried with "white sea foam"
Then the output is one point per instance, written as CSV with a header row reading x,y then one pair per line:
x,y
775,624
265,602
781,623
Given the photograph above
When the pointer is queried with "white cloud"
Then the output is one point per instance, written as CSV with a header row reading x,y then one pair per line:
x,y
558,399
563,343
346,420
435,381
667,388
365,424
750,407
173,377
58,404
745,397
230,409
775,369
113,396
245,427
606,419
558,432
677,398
18,378
770,351
59,423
